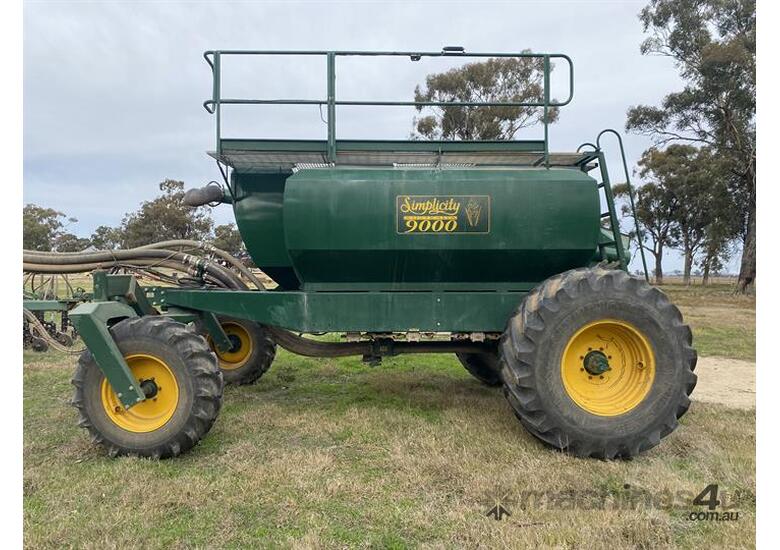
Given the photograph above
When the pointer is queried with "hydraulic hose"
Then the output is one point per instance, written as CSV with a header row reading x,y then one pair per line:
x,y
229,258
87,261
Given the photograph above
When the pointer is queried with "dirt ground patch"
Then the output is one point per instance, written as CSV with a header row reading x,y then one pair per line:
x,y
727,381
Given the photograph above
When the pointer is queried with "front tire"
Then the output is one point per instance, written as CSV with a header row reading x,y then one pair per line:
x,y
184,398
598,363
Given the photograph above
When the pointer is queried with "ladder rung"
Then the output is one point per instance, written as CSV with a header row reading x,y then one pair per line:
x,y
600,185
605,214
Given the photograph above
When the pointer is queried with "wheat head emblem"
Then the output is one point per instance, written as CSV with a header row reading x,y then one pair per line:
x,y
473,211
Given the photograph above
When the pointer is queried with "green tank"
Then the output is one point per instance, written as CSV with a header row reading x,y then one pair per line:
x,y
417,229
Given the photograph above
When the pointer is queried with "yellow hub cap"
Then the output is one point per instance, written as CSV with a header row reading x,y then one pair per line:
x,y
152,373
608,367
242,346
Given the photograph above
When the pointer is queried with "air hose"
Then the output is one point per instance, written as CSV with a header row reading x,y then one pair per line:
x,y
47,262
229,258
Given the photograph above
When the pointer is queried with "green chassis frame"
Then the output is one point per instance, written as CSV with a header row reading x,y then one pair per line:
x,y
119,297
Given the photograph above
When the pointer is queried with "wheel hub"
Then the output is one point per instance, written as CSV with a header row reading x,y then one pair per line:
x,y
235,343
149,387
596,363
241,346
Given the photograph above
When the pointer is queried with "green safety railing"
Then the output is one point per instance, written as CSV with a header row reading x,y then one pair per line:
x,y
214,105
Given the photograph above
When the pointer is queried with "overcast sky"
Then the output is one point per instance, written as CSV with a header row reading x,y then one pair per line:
x,y
113,91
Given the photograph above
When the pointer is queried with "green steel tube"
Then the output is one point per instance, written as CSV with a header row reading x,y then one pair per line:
x,y
331,107
613,219
546,109
213,106
639,238
333,54
216,71
356,102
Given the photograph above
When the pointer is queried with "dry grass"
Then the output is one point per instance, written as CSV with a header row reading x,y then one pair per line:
x,y
723,323
331,453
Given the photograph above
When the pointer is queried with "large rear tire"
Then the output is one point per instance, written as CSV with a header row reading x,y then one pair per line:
x,y
184,387
252,353
598,363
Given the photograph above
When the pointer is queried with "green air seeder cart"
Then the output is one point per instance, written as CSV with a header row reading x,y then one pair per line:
x,y
503,253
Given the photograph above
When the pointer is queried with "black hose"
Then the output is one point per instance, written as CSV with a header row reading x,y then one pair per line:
x,y
88,261
313,348
211,249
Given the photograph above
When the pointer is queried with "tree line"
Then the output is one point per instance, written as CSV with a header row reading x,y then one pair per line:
x,y
163,218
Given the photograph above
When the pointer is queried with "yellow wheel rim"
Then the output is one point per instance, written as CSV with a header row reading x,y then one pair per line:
x,y
156,410
242,350
608,367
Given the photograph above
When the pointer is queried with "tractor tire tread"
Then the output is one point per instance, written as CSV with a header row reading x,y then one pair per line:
x,y
200,362
518,347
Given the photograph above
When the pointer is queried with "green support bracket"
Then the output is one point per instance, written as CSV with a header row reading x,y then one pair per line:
x,y
109,287
215,330
91,320
182,315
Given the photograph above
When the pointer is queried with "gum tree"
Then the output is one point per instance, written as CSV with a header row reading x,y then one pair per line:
x,y
655,206
713,45
496,79
165,218
41,227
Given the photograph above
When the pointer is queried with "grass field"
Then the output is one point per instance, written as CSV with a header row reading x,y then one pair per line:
x,y
332,453
724,323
